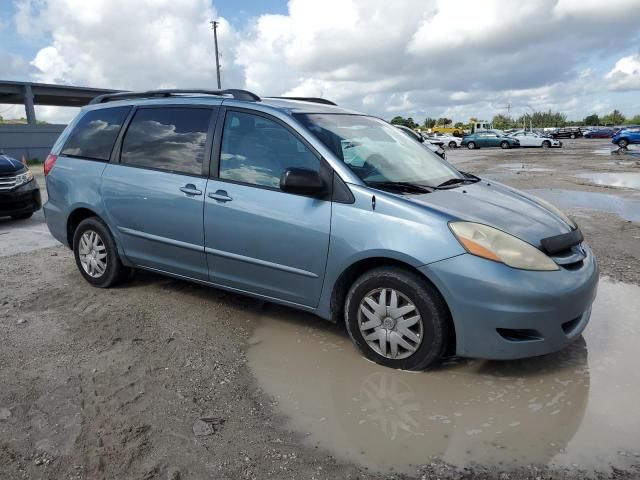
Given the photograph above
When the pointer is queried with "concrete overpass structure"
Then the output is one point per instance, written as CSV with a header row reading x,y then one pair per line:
x,y
32,140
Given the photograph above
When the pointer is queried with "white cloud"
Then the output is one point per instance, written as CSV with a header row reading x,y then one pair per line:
x,y
411,57
626,74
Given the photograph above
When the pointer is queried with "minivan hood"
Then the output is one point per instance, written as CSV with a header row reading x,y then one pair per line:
x,y
9,165
498,206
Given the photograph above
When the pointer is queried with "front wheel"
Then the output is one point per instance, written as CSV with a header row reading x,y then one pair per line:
x,y
623,142
397,319
546,144
471,145
96,254
573,136
505,145
452,144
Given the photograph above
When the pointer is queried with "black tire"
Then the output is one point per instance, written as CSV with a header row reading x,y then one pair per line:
x,y
471,145
505,145
452,144
22,216
115,272
428,302
623,142
573,136
546,144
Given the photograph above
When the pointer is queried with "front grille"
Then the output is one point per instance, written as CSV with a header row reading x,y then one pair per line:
x,y
7,183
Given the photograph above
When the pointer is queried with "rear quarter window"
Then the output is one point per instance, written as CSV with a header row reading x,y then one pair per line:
x,y
95,134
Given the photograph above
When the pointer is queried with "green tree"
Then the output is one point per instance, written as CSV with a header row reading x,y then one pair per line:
x,y
429,122
635,120
407,122
502,122
443,121
592,120
459,125
544,119
614,118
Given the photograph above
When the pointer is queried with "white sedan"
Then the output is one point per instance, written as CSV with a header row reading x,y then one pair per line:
x,y
448,140
531,139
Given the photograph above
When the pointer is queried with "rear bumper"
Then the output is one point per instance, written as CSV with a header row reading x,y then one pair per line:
x,y
22,200
504,313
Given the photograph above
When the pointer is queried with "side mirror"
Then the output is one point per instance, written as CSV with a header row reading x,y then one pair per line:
x,y
301,182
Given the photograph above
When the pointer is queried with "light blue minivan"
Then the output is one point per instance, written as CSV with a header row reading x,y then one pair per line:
x,y
303,203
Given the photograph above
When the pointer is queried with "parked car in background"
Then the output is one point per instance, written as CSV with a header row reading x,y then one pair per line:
x,y
435,147
449,140
532,139
19,191
569,132
322,209
626,137
600,133
488,139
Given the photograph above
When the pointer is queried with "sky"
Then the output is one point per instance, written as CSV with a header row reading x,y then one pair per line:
x,y
437,58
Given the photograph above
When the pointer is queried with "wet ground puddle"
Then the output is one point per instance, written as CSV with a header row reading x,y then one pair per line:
x,y
574,408
621,179
626,207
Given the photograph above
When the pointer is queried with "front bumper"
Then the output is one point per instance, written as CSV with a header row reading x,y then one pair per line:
x,y
22,200
505,313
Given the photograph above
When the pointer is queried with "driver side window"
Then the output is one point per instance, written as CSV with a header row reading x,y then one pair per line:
x,y
256,150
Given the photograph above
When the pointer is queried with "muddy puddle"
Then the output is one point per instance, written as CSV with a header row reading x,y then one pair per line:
x,y
632,150
626,207
523,167
576,408
617,179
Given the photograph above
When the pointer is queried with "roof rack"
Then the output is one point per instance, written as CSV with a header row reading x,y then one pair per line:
x,y
235,93
324,101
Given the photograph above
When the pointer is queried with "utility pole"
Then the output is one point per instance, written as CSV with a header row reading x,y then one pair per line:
x,y
214,26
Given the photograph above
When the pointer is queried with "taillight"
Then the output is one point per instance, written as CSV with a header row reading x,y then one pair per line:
x,y
49,163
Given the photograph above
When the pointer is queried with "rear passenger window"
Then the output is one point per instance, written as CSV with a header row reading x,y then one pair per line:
x,y
170,139
256,150
96,132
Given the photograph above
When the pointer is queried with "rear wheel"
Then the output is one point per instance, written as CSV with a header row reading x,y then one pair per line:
x,y
505,145
546,144
452,144
96,254
397,319
623,142
471,145
573,136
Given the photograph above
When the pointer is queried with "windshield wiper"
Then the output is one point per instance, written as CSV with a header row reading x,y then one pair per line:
x,y
403,186
458,181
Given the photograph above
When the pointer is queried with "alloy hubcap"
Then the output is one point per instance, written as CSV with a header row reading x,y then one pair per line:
x,y
93,254
390,323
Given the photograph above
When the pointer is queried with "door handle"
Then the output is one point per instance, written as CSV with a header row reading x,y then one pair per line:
x,y
220,196
190,189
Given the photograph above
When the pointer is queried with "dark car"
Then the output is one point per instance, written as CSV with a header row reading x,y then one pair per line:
x,y
435,147
567,133
601,133
488,139
19,191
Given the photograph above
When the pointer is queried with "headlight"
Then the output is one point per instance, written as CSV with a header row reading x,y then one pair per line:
x,y
493,244
23,178
555,210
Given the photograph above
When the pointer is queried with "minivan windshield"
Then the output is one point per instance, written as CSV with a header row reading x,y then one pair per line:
x,y
378,152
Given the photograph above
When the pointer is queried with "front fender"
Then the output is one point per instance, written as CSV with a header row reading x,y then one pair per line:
x,y
392,228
